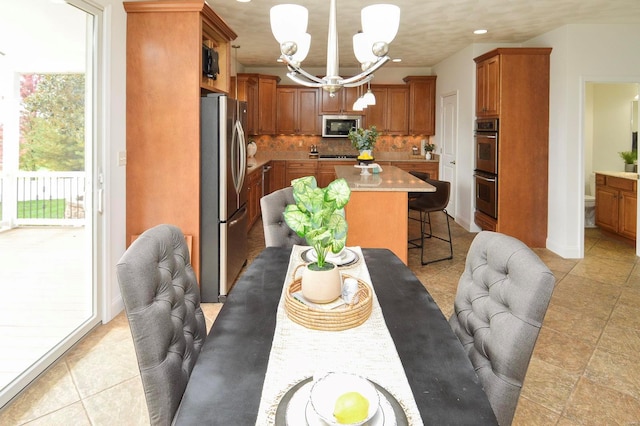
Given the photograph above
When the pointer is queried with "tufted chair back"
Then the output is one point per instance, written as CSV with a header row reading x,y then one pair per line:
x,y
162,301
276,232
501,301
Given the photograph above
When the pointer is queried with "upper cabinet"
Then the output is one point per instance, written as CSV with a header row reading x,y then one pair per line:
x,y
247,90
340,103
422,109
390,114
259,91
267,104
400,109
488,86
297,111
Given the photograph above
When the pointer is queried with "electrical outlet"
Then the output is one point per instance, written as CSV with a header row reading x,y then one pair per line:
x,y
122,158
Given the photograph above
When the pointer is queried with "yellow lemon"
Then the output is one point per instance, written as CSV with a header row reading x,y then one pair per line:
x,y
365,156
351,407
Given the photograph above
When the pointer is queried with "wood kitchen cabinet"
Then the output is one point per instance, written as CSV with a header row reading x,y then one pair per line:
x,y
430,167
341,103
422,104
253,186
488,86
616,205
299,168
247,90
513,85
267,104
297,111
164,85
259,91
327,173
278,175
390,114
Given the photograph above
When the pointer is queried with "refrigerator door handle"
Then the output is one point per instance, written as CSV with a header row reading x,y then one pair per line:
x,y
241,148
242,213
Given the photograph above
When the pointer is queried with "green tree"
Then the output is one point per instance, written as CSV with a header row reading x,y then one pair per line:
x,y
52,125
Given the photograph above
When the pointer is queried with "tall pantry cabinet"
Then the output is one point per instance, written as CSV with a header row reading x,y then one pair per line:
x,y
512,85
165,42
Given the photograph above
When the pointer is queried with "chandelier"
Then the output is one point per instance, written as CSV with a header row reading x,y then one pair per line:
x,y
380,24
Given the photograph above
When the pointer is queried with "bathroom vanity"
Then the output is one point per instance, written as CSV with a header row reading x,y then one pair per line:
x,y
617,203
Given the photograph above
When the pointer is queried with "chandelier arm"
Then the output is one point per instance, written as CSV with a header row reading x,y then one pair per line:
x,y
293,76
359,82
367,72
298,70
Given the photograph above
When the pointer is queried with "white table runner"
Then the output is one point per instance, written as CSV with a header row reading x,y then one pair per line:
x,y
367,350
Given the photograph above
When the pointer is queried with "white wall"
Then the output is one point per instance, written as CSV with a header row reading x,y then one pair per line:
x,y
581,53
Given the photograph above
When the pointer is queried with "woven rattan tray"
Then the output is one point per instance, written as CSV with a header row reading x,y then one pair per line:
x,y
337,319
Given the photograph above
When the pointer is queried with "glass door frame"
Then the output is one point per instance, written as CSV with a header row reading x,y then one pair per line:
x,y
94,196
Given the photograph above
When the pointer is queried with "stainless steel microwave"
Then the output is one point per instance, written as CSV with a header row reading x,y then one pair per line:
x,y
338,126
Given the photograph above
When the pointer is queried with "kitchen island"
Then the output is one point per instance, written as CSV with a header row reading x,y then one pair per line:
x,y
377,212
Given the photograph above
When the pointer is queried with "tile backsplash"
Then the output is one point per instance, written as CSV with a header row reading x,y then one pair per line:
x,y
334,145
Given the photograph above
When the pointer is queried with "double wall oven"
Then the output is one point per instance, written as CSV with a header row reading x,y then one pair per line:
x,y
486,172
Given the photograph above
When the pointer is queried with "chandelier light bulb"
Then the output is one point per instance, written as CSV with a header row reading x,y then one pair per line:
x,y
303,43
381,22
369,98
288,21
363,48
359,104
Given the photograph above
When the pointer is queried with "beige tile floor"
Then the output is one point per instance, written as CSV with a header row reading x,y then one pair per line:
x,y
584,370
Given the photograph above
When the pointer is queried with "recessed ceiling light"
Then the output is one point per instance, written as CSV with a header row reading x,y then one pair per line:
x,y
396,60
480,32
244,1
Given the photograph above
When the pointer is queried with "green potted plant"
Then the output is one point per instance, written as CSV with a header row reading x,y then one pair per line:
x,y
364,140
629,158
318,217
429,147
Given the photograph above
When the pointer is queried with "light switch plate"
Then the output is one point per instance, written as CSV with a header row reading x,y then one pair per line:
x,y
122,158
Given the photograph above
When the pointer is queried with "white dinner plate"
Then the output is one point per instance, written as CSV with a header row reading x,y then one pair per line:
x,y
346,257
299,409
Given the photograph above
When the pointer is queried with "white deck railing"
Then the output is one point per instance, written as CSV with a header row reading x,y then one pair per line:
x,y
42,198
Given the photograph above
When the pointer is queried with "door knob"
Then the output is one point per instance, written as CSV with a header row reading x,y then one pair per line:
x,y
452,162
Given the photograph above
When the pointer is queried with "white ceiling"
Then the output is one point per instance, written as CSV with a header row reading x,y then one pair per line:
x,y
430,30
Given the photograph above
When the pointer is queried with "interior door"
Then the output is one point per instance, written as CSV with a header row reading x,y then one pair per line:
x,y
449,146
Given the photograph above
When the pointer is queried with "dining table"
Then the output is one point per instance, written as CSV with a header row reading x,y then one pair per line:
x,y
227,381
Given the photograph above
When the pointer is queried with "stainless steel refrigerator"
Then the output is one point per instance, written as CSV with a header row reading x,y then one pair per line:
x,y
223,205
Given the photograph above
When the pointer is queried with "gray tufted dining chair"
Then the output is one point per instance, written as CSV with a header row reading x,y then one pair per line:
x,y
162,302
276,232
501,301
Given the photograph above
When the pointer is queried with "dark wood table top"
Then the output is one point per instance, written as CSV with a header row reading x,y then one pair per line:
x,y
226,383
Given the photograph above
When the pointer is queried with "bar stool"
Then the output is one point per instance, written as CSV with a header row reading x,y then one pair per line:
x,y
426,203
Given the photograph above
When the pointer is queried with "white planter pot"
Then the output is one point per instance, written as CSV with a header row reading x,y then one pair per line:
x,y
321,286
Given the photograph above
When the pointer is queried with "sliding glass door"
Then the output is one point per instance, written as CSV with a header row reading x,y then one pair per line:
x,y
49,175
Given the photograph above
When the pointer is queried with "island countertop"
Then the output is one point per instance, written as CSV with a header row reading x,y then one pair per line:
x,y
391,179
